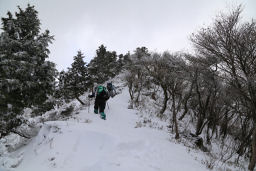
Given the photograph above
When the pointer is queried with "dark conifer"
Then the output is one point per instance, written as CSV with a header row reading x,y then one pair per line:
x,y
74,82
26,78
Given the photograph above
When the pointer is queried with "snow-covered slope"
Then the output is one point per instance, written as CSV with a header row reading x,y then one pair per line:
x,y
88,143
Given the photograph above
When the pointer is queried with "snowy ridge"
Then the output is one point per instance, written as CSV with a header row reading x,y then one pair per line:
x,y
87,143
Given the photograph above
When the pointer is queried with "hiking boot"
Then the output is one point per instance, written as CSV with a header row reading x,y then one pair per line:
x,y
95,111
102,115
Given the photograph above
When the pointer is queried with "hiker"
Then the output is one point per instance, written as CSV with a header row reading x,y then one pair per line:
x,y
111,89
102,95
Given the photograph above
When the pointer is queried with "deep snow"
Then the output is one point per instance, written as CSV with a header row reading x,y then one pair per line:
x,y
87,143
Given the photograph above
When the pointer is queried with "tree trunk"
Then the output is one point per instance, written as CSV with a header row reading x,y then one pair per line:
x,y
174,117
186,102
199,124
253,146
202,112
224,125
131,92
137,98
80,100
208,139
165,102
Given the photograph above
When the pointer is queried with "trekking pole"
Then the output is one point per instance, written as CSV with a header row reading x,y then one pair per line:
x,y
108,105
89,106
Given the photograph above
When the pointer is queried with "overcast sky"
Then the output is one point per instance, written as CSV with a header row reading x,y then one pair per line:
x,y
123,25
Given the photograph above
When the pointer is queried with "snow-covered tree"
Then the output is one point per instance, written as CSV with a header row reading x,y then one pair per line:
x,y
136,77
103,66
229,48
74,82
167,71
26,78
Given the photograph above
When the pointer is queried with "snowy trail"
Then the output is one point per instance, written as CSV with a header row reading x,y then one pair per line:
x,y
89,143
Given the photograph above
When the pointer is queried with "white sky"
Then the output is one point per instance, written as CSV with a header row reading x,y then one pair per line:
x,y
123,25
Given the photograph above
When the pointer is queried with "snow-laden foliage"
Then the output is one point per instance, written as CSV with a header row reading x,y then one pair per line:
x,y
228,50
214,87
75,81
26,78
104,65
81,77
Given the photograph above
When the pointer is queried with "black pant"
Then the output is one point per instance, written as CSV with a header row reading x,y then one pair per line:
x,y
99,104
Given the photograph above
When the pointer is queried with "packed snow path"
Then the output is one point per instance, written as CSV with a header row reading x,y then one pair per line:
x,y
88,143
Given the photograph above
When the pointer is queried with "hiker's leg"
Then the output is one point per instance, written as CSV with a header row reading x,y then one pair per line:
x,y
102,106
96,106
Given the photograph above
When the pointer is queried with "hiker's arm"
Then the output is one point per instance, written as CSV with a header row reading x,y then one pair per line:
x,y
107,96
91,95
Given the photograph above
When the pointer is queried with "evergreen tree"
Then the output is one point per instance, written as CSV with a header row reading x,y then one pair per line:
x,y
74,82
104,66
26,79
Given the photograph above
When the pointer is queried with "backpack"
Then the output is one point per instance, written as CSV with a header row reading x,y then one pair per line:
x,y
102,92
109,86
111,89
